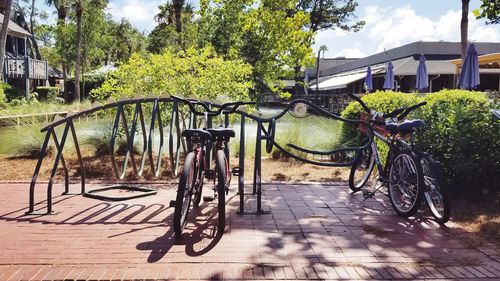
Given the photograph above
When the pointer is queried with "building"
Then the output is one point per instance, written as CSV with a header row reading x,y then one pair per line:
x,y
20,70
341,76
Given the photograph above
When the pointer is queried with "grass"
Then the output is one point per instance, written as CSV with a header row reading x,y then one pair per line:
x,y
41,107
23,140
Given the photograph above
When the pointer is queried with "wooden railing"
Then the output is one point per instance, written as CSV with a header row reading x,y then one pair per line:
x,y
26,68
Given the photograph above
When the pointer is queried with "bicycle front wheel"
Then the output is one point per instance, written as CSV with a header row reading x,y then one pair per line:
x,y
222,169
361,171
435,192
405,184
184,194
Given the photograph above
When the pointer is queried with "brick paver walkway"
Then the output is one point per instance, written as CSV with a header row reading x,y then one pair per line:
x,y
314,232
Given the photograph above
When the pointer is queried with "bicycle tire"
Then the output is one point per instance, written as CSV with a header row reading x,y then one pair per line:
x,y
221,188
405,183
183,198
435,192
361,170
198,186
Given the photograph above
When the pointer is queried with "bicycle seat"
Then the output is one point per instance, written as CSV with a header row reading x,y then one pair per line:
x,y
405,127
221,133
196,134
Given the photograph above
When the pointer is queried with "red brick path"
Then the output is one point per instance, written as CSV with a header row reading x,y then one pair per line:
x,y
314,232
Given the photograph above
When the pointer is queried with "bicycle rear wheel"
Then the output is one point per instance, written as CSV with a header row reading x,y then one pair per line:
x,y
435,192
184,194
222,169
361,171
405,184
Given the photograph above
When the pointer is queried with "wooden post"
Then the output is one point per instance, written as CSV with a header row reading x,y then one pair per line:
x,y
27,75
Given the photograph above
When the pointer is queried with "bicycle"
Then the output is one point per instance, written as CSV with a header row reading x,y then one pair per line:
x,y
409,173
196,168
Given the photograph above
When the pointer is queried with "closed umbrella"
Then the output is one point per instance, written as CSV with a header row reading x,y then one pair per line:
x,y
422,77
369,80
469,76
306,82
389,77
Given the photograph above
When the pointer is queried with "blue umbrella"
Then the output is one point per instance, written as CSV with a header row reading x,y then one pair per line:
x,y
369,80
422,77
469,76
389,77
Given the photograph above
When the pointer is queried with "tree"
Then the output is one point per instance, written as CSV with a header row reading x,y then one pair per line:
x,y
3,34
62,46
330,14
323,48
464,27
178,4
78,6
490,10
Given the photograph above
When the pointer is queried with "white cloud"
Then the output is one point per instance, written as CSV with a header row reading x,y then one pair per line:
x,y
350,53
138,12
389,27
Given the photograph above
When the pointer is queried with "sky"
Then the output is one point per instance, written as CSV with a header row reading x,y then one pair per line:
x,y
389,24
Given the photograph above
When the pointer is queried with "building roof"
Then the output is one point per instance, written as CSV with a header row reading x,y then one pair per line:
x,y
15,29
328,63
436,54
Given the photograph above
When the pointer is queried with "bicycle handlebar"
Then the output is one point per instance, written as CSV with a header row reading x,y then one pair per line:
x,y
208,111
399,113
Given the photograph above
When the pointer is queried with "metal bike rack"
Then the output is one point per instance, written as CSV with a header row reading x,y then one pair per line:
x,y
175,145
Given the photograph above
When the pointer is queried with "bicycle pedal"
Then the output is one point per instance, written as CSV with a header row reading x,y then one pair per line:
x,y
172,203
235,171
368,194
209,174
208,198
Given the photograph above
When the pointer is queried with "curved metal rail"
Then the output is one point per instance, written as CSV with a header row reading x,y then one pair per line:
x,y
175,144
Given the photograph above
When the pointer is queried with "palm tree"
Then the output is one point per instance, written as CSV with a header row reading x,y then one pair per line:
x,y
166,14
178,4
323,48
464,27
3,34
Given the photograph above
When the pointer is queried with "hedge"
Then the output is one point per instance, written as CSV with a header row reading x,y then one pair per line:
x,y
460,132
47,93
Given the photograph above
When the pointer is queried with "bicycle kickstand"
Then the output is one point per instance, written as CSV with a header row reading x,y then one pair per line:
x,y
370,194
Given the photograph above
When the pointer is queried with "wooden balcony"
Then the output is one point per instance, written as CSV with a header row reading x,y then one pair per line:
x,y
26,68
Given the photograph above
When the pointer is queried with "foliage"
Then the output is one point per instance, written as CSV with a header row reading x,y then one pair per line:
x,y
3,96
198,73
48,93
460,133
32,106
23,140
329,14
264,34
490,10
92,81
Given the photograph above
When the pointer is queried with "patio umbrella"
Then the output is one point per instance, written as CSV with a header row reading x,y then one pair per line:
x,y
369,80
422,77
469,76
389,77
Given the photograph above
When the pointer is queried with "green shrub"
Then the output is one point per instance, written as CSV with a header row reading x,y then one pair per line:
x,y
3,96
92,81
48,93
460,133
199,73
23,140
13,93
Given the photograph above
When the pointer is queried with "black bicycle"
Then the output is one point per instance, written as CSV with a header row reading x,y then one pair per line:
x,y
409,173
197,168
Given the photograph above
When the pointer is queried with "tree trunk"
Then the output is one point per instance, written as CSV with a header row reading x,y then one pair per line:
x,y
178,14
65,78
79,11
38,55
464,27
3,35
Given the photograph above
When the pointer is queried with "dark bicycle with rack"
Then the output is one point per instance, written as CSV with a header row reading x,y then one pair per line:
x,y
408,173
197,168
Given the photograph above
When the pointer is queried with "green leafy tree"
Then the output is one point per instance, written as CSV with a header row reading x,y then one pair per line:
x,y
490,10
194,72
323,48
